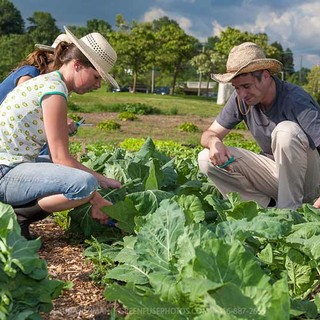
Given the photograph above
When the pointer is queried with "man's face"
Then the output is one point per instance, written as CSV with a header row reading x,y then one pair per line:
x,y
249,88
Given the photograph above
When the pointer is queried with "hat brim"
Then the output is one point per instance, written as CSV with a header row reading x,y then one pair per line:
x,y
91,56
273,65
44,47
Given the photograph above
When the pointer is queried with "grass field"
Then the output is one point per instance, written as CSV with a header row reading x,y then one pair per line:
x,y
101,105
103,101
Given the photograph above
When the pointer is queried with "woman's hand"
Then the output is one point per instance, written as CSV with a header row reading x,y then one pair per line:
x,y
72,128
317,203
97,203
109,183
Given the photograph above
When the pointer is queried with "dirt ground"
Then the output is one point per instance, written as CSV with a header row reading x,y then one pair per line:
x,y
65,261
158,127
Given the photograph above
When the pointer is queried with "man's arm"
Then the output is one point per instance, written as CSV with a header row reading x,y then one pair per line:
x,y
212,140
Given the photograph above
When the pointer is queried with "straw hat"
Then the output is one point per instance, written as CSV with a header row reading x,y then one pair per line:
x,y
247,57
59,38
98,51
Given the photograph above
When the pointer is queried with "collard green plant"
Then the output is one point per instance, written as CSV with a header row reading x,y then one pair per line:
x,y
26,288
190,254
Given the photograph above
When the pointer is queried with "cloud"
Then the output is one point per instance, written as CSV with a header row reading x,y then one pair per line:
x,y
156,13
296,28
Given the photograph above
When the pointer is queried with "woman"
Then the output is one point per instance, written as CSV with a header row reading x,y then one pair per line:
x,y
37,62
35,113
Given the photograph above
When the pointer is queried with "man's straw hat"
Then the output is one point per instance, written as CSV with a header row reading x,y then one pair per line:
x,y
247,57
98,51
59,38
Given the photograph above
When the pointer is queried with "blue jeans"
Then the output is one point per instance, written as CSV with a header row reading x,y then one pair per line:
x,y
30,181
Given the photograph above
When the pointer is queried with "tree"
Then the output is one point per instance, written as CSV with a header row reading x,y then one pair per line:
x,y
174,48
299,77
11,21
14,48
313,85
205,64
286,58
94,25
135,49
43,28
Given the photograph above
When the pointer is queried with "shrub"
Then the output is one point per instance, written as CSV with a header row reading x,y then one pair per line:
x,y
126,115
109,125
188,127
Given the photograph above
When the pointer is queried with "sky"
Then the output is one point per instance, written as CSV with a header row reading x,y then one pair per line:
x,y
295,24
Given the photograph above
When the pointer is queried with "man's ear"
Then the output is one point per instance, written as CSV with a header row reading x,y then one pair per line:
x,y
266,74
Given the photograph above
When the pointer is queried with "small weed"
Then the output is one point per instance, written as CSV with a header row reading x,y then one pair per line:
x,y
127,116
188,127
109,125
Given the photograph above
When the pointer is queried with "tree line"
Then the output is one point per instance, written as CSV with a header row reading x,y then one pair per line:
x,y
160,49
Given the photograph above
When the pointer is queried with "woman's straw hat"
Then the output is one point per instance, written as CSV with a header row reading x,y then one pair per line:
x,y
98,51
59,38
247,57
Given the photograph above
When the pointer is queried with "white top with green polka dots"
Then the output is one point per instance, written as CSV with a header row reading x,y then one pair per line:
x,y
22,133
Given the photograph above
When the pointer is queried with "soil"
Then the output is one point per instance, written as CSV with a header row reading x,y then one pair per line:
x,y
65,261
158,127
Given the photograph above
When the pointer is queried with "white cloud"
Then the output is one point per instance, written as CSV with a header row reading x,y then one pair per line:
x,y
156,13
296,28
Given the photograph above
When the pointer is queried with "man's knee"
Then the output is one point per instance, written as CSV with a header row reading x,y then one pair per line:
x,y
286,133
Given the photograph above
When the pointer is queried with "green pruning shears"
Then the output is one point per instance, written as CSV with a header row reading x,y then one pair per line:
x,y
230,160
78,124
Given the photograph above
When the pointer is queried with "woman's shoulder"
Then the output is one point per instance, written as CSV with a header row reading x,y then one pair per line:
x,y
26,70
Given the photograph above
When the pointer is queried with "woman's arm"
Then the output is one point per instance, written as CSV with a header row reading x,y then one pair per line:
x,y
55,122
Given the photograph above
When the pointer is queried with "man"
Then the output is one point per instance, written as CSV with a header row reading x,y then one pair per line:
x,y
285,122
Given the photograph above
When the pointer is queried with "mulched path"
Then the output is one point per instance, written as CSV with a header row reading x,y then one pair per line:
x,y
66,262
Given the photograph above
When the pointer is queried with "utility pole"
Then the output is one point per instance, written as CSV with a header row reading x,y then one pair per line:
x,y
300,72
200,74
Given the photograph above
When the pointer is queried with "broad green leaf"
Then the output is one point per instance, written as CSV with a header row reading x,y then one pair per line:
x,y
148,201
300,274
146,307
124,212
146,151
128,273
157,239
136,170
155,178
194,235
306,238
266,254
221,262
192,208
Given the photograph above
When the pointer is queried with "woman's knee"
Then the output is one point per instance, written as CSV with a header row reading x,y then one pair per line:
x,y
83,186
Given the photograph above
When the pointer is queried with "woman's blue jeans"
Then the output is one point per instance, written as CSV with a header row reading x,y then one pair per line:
x,y
30,181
